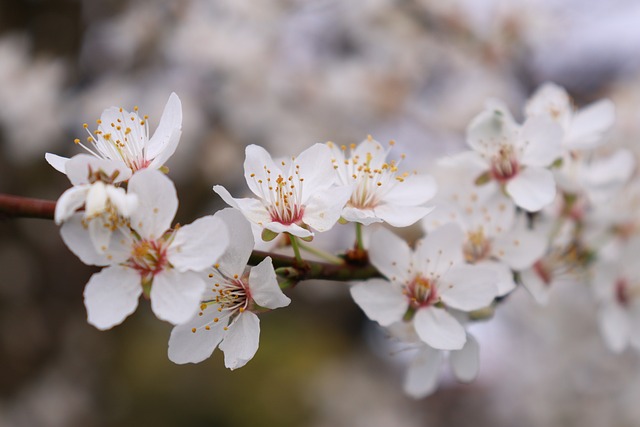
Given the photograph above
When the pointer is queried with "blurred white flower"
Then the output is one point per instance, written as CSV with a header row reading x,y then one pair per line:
x,y
425,283
227,316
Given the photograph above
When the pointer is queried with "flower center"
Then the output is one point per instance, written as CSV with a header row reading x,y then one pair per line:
x,y
477,247
123,138
148,257
421,292
504,164
283,196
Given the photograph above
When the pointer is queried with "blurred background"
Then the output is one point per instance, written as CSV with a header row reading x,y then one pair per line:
x,y
286,74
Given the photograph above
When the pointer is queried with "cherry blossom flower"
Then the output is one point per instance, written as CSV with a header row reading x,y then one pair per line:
x,y
380,192
424,284
517,157
227,316
106,207
152,258
421,377
124,136
293,195
584,128
617,288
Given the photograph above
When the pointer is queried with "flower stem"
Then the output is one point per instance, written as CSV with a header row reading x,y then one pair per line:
x,y
321,254
24,207
296,248
359,242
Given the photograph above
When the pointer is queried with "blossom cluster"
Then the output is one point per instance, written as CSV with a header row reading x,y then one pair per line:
x,y
533,204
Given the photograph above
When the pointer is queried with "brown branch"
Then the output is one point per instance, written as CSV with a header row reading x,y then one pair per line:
x,y
25,207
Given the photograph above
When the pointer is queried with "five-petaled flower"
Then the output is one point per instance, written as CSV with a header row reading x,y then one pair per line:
x,y
294,195
149,257
227,316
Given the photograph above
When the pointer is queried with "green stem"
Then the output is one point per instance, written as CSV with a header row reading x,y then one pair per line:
x,y
359,236
296,248
321,254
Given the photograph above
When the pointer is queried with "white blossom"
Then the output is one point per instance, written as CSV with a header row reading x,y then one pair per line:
x,y
124,136
293,195
380,192
227,318
425,283
163,263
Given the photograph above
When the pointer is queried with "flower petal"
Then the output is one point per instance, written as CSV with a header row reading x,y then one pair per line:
x,y
590,124
157,203
80,166
401,216
258,166
111,295
614,327
316,169
380,300
520,248
538,289
465,362
57,162
242,340
252,209
198,245
324,207
186,346
543,141
414,190
421,379
440,250
439,329
468,287
175,296
390,255
241,242
78,240
264,286
532,189
504,276
167,134
70,201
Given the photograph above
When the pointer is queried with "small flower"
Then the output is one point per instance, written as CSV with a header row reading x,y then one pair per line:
x,y
227,316
421,377
424,284
380,192
293,195
162,263
517,157
583,129
106,207
124,136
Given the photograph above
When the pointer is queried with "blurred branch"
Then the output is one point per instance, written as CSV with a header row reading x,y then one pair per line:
x,y
289,267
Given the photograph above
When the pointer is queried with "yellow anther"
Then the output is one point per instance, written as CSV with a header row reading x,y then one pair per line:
x,y
193,330
77,141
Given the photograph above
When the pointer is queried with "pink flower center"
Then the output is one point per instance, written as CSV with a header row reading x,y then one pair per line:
x,y
477,247
504,165
149,257
421,292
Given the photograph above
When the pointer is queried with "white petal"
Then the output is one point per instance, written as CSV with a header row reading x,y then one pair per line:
x,y
439,329
242,340
465,363
198,245
538,289
363,216
70,201
468,287
58,162
80,166
293,229
316,169
100,234
413,191
532,189
440,250
124,203
324,207
96,199
590,124
175,296
543,141
264,286
241,242
252,209
257,162
157,203
614,326
401,216
167,134
186,346
380,300
504,276
421,379
111,295
78,240
167,150
488,131
390,255
520,248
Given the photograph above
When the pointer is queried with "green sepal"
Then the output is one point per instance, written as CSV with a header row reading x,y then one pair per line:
x,y
268,235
